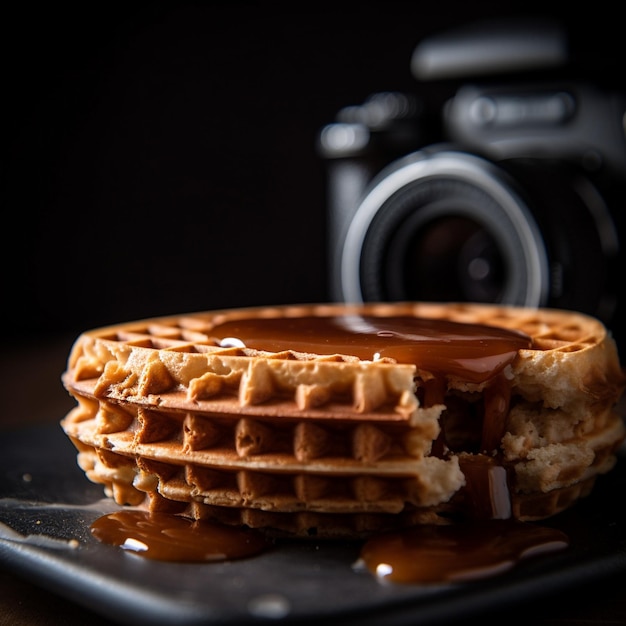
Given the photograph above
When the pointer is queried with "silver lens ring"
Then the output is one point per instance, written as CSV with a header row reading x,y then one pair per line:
x,y
512,220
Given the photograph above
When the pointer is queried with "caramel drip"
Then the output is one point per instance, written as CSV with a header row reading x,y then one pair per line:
x,y
445,554
486,493
471,352
496,401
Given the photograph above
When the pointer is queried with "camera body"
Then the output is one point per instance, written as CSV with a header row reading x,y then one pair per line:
x,y
488,190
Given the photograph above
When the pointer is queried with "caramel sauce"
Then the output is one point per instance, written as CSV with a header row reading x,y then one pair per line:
x,y
167,537
447,554
472,352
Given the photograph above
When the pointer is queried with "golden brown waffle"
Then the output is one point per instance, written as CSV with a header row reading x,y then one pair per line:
x,y
329,443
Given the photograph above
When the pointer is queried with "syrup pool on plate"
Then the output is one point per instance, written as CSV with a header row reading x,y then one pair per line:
x,y
167,537
419,555
460,552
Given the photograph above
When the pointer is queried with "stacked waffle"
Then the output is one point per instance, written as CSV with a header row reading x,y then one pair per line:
x,y
174,416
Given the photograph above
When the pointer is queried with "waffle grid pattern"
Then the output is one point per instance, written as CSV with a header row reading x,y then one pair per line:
x,y
243,463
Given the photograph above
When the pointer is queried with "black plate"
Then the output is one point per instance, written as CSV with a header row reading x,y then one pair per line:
x,y
47,505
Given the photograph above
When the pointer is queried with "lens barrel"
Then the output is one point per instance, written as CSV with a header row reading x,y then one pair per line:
x,y
444,225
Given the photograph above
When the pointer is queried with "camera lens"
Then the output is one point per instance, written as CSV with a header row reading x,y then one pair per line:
x,y
444,225
448,259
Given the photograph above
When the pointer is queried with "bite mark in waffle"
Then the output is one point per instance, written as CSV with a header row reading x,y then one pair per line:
x,y
305,442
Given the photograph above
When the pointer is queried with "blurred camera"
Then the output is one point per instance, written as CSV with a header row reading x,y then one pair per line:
x,y
502,181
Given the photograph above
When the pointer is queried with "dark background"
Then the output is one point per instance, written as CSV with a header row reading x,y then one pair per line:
x,y
160,157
